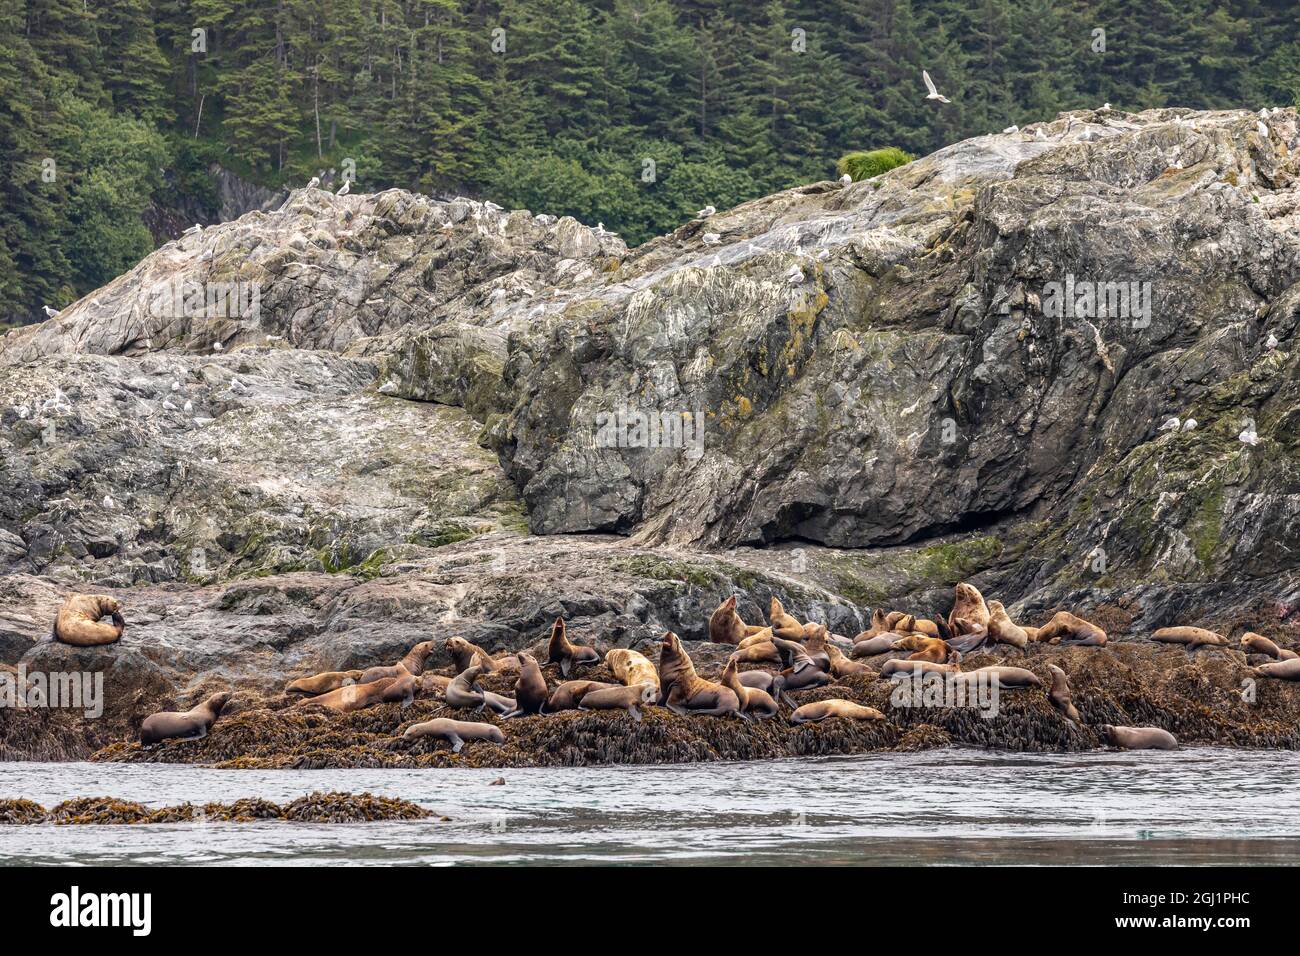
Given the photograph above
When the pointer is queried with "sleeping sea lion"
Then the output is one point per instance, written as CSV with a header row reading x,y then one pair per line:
x,y
561,651
412,663
877,627
455,732
1282,670
323,683
530,687
1065,628
880,644
725,625
431,685
1189,637
78,621
1002,630
841,666
684,691
897,669
968,607
192,724
834,707
1139,738
1006,678
621,697
1259,644
924,648
752,699
1060,696
569,694
631,667
764,652
355,696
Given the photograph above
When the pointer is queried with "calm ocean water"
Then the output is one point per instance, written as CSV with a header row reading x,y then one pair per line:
x,y
1192,806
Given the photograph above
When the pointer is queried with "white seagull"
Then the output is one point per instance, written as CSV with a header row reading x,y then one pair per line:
x,y
1171,425
1039,134
1012,129
934,94
1262,129
50,313
705,213
343,190
314,182
711,238
1247,435
108,502
795,276
846,179
1272,342
193,230
1189,425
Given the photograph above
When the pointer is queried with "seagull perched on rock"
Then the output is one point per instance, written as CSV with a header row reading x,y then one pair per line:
x,y
823,254
795,276
1189,425
314,182
934,94
1039,134
217,346
492,207
711,238
1012,129
189,406
1271,343
176,386
1247,435
108,502
705,213
50,313
194,230
237,386
846,179
1171,425
345,188
1262,129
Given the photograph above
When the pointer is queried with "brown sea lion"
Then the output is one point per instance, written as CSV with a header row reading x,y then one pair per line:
x,y
353,696
880,644
621,697
530,687
78,621
923,648
323,682
1282,670
1060,695
1007,678
684,691
1139,738
463,690
968,608
401,690
841,666
764,652
192,724
455,732
567,655
771,684
897,669
784,625
1065,628
817,645
877,627
753,700
1189,637
1259,644
431,685
631,667
725,625
412,663
892,618
1002,630
761,636
834,707
567,695
463,654
498,703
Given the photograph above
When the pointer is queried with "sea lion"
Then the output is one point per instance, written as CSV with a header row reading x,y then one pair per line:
x,y
924,648
764,652
455,732
1139,738
1189,637
412,663
784,625
433,685
568,695
1282,670
834,707
793,655
192,724
804,678
354,696
530,687
323,682
1060,695
561,651
684,691
631,667
1259,644
969,642
78,621
1065,628
498,703
463,654
1007,678
817,644
841,666
401,690
622,697
771,684
892,618
1002,630
897,669
463,689
877,627
725,625
880,644
968,607
763,635
753,700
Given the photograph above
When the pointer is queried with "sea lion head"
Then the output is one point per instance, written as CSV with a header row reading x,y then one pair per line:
x,y
457,647
217,702
671,642
649,692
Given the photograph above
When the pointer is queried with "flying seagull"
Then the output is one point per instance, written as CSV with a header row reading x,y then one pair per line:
x,y
934,94
705,213
343,190
50,313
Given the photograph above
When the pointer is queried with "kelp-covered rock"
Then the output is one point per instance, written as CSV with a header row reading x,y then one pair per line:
x,y
313,808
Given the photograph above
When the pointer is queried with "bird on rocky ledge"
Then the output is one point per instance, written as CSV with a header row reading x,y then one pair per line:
x,y
846,179
314,182
934,93
1247,435
705,213
50,313
1171,425
343,190
1271,343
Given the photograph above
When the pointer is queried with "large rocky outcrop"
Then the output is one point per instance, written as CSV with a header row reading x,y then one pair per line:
x,y
392,425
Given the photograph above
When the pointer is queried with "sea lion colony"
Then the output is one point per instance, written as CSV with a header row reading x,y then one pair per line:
x,y
790,656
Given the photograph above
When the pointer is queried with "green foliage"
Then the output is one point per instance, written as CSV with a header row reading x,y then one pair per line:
x,y
864,165
729,99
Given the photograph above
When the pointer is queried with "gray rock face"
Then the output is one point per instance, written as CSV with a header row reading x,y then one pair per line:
x,y
859,395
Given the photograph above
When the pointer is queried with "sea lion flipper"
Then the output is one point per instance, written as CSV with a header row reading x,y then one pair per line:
x,y
564,667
